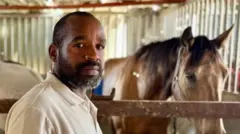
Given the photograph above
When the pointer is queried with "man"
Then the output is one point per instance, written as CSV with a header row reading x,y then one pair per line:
x,y
59,104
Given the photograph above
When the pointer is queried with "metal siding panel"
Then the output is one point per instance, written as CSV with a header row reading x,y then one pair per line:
x,y
198,17
232,9
236,42
5,40
12,48
45,42
38,44
221,23
206,18
201,17
216,18
20,39
238,46
210,29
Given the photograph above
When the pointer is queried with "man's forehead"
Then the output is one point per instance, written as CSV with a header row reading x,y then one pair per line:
x,y
84,25
76,21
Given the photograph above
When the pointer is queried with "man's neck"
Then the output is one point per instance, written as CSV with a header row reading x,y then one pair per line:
x,y
80,92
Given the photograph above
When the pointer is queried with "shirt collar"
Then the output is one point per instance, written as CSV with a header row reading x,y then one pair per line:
x,y
70,96
64,91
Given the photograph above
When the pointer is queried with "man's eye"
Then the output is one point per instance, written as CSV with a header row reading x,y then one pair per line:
x,y
100,47
80,45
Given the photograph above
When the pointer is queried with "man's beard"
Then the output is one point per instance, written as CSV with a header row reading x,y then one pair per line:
x,y
71,75
85,82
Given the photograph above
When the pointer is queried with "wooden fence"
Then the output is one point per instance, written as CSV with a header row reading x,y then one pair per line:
x,y
196,109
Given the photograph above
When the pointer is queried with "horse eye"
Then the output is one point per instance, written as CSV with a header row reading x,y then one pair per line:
x,y
191,76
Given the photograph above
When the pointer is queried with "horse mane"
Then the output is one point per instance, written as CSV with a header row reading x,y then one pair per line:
x,y
164,53
160,53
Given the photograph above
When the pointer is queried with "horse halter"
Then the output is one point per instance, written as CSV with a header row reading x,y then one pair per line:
x,y
177,68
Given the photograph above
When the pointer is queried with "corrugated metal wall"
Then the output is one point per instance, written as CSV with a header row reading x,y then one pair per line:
x,y
25,39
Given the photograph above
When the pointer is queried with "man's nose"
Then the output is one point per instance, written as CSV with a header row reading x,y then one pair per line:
x,y
92,54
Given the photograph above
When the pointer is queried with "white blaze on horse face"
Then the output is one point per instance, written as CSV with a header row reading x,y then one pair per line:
x,y
215,81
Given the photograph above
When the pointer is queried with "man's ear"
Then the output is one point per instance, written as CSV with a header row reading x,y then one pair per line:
x,y
52,51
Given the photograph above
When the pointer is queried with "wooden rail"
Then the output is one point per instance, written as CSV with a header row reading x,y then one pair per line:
x,y
170,109
194,109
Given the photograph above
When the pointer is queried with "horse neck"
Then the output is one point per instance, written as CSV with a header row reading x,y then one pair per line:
x,y
127,82
157,86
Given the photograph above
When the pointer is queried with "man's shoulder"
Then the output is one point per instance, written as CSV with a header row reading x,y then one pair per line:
x,y
32,109
39,97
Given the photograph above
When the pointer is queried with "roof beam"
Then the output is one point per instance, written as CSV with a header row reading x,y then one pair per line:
x,y
114,4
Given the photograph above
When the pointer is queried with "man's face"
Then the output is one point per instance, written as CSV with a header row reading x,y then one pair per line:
x,y
79,60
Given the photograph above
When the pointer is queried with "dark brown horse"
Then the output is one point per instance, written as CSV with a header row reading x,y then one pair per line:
x,y
186,68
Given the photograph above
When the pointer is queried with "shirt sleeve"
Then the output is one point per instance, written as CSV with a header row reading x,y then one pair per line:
x,y
29,121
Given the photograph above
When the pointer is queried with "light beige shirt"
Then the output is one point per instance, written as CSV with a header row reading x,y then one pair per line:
x,y
52,108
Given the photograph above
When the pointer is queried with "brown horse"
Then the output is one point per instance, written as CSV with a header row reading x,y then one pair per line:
x,y
186,68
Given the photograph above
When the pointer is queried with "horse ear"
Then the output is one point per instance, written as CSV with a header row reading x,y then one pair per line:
x,y
187,37
222,38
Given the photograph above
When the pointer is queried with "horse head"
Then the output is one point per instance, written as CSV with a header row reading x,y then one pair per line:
x,y
200,74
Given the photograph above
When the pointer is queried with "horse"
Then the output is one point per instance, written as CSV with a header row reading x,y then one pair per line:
x,y
16,80
183,68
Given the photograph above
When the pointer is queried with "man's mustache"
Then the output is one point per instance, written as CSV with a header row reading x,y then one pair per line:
x,y
81,66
